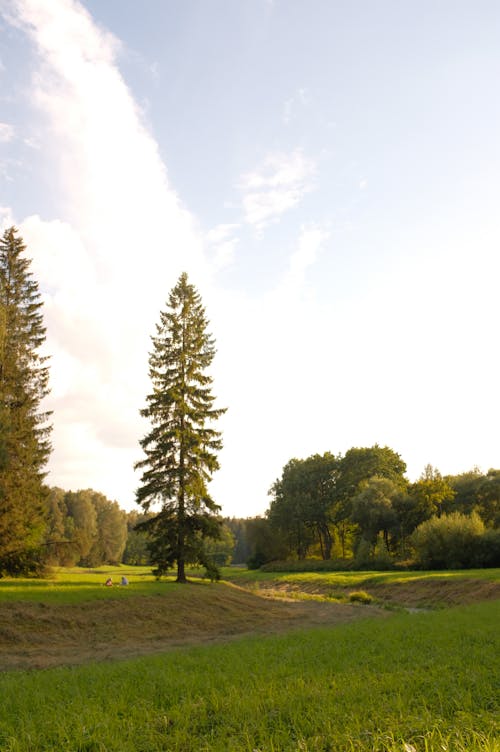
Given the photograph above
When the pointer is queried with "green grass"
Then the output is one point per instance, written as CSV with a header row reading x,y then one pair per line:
x,y
355,579
76,585
429,681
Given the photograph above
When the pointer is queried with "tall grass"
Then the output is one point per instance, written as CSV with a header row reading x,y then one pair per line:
x,y
427,681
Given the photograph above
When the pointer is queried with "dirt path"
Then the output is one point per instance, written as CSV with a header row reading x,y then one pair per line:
x,y
37,635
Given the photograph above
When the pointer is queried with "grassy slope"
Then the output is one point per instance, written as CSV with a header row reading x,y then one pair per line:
x,y
129,622
429,680
420,589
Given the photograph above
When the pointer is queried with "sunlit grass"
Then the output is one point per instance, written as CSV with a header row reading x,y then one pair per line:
x,y
74,585
413,683
355,579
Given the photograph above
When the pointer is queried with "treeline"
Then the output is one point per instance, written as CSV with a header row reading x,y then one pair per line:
x,y
359,510
86,529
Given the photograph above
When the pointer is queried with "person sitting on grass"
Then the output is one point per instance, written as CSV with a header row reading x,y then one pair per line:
x,y
109,582
124,581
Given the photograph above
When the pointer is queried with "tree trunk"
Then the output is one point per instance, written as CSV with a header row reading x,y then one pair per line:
x,y
327,537
181,573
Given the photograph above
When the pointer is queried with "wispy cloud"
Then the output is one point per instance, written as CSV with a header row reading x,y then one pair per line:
x,y
299,99
276,186
311,238
6,133
221,242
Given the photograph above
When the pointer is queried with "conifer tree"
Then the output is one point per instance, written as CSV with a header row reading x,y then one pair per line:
x,y
24,432
181,447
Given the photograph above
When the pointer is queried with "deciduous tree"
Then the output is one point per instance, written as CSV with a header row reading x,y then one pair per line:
x,y
181,447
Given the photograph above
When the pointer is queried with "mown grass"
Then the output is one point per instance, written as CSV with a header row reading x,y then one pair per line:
x,y
427,681
76,585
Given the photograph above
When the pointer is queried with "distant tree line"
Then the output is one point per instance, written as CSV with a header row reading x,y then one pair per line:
x,y
359,510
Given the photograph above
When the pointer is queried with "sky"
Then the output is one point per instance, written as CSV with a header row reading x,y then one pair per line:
x,y
328,175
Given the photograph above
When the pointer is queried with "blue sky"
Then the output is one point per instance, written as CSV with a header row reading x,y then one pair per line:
x,y
328,175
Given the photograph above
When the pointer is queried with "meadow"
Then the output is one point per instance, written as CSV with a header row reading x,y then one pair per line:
x,y
381,680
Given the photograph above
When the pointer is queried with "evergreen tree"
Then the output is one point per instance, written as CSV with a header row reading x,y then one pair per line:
x,y
180,449
25,445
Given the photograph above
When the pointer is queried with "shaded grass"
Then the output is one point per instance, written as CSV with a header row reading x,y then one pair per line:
x,y
424,680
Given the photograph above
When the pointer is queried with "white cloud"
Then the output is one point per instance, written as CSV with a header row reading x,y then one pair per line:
x,y
300,99
6,220
7,133
310,240
222,243
277,186
106,269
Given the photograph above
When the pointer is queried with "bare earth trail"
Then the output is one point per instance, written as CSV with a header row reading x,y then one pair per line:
x,y
38,635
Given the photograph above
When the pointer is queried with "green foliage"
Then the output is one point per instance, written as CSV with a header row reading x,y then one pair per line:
x,y
362,506
238,528
373,511
136,549
361,464
303,501
489,499
430,494
220,550
24,432
488,549
263,543
449,542
312,507
181,447
85,528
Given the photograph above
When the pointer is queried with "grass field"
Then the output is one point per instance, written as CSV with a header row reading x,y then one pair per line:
x,y
417,589
283,676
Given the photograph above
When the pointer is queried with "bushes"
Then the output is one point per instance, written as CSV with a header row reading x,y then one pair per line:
x,y
456,541
489,549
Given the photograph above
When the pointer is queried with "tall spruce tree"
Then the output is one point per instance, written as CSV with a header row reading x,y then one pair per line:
x,y
181,447
24,441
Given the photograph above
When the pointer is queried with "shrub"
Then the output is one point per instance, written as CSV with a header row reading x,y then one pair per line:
x,y
360,596
449,542
488,549
309,565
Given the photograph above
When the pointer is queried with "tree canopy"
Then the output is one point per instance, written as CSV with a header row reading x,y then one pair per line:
x,y
24,429
181,446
